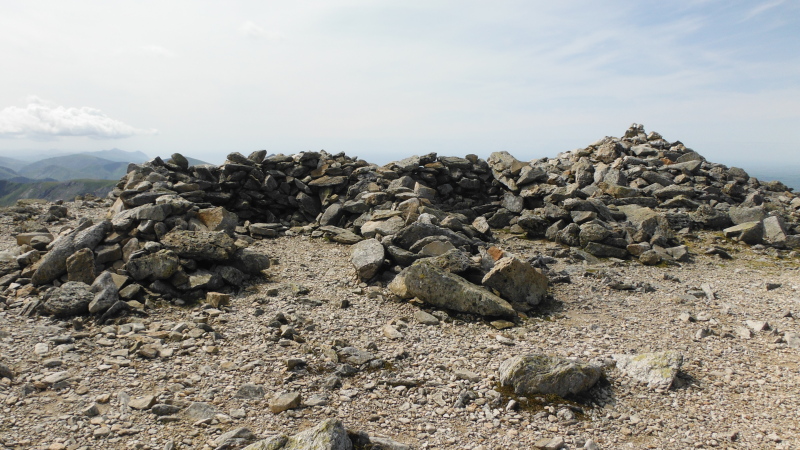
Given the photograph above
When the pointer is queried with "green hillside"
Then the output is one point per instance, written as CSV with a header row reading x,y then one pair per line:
x,y
10,191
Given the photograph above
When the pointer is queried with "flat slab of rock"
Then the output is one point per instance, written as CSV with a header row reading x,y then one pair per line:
x,y
446,290
543,374
657,370
54,263
201,245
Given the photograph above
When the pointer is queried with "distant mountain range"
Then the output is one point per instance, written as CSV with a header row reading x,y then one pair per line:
x,y
65,176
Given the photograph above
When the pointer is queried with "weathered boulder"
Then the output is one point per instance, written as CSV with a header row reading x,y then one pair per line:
x,y
327,435
657,369
774,231
443,289
80,266
106,293
420,230
544,374
200,245
218,219
54,263
250,261
159,266
70,299
367,258
749,232
517,281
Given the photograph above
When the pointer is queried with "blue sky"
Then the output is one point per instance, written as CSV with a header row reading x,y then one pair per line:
x,y
384,80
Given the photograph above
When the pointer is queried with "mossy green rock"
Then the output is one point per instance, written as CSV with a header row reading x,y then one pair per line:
x,y
657,369
544,374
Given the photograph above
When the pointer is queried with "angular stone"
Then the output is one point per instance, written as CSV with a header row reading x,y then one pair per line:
x,y
54,263
217,299
200,245
80,266
199,411
271,443
250,391
419,230
605,251
517,281
367,258
145,402
218,219
657,370
327,435
250,261
425,318
774,231
160,265
749,232
70,299
234,438
446,290
543,374
283,402
354,356
105,291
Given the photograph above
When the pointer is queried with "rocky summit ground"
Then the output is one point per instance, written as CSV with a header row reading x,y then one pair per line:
x,y
182,377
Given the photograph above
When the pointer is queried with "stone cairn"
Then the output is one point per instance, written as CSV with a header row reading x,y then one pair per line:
x,y
181,233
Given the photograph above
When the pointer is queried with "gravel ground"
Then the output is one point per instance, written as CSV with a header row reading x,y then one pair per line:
x,y
86,385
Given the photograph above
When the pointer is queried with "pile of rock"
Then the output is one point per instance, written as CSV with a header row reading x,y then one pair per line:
x,y
177,231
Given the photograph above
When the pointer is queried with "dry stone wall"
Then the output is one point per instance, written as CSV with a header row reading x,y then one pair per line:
x,y
177,232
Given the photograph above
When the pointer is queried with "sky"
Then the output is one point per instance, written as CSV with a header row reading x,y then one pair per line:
x,y
389,79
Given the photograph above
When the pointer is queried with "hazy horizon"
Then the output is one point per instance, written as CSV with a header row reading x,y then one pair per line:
x,y
390,79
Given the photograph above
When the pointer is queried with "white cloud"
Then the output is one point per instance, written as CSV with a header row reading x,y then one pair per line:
x,y
252,30
146,50
762,8
43,120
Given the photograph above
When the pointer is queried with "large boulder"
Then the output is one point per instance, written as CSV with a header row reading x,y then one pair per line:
x,y
250,261
657,370
218,219
54,263
200,245
443,289
544,374
70,299
367,258
517,281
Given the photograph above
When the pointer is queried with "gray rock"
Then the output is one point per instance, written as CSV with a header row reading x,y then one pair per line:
x,y
332,214
250,391
200,245
774,231
367,258
425,318
327,435
105,291
446,290
749,232
517,281
283,402
6,372
160,265
54,263
543,374
340,235
743,214
354,356
271,443
657,370
218,219
199,411
70,299
792,339
144,402
250,261
235,438
80,266
418,230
